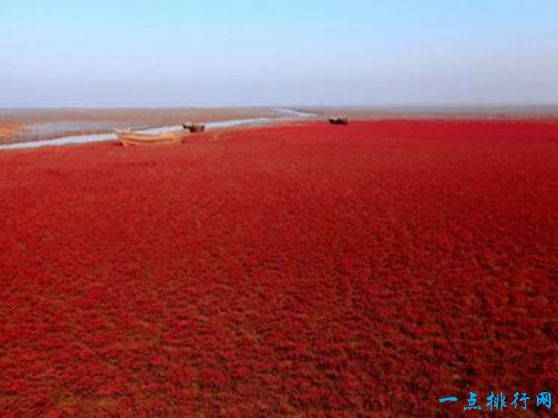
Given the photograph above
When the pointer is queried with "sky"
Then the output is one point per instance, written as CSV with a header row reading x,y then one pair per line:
x,y
277,52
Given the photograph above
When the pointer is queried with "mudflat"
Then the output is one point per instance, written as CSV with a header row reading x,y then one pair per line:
x,y
22,125
440,112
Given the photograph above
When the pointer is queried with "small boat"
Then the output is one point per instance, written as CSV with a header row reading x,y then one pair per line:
x,y
339,120
130,138
194,127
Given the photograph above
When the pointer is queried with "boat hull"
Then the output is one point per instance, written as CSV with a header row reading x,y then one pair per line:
x,y
339,120
194,127
134,139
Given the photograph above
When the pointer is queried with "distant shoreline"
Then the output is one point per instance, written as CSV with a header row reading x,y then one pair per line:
x,y
60,129
445,111
381,108
19,125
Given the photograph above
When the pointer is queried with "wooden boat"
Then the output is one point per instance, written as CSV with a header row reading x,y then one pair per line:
x,y
339,120
130,138
197,127
194,127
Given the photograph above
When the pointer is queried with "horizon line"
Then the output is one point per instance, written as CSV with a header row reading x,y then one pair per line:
x,y
471,105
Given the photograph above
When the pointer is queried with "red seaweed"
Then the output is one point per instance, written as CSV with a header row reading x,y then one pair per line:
x,y
302,269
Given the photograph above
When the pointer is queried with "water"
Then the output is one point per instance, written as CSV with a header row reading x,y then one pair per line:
x,y
289,114
294,112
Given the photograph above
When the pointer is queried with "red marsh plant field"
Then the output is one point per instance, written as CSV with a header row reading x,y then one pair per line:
x,y
303,270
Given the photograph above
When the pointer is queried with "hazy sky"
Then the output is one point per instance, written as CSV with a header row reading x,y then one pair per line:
x,y
277,52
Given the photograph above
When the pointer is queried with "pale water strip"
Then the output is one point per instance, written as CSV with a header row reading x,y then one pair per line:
x,y
290,114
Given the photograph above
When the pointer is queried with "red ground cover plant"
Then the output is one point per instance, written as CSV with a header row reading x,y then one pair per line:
x,y
298,270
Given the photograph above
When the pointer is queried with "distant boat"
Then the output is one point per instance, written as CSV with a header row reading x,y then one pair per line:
x,y
130,138
339,120
194,127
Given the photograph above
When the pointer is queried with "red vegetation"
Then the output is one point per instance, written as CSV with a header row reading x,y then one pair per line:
x,y
306,269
